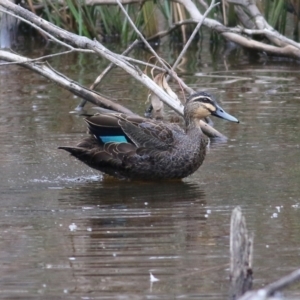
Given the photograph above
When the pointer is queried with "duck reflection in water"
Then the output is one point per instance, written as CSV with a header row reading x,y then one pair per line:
x,y
132,147
122,204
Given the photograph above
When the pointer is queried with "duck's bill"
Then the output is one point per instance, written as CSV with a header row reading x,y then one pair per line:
x,y
221,113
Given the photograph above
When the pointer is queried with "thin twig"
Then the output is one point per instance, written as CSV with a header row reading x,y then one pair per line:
x,y
142,37
48,56
212,5
168,70
139,62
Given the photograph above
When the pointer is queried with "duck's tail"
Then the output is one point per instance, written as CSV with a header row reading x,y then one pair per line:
x,y
75,151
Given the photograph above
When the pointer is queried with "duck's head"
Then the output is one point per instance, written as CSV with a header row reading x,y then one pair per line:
x,y
201,105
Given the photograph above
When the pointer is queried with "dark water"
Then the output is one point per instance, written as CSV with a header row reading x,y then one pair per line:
x,y
67,232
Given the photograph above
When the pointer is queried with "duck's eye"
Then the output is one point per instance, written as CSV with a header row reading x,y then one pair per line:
x,y
207,100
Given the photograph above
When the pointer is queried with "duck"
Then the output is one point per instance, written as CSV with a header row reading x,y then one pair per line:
x,y
136,148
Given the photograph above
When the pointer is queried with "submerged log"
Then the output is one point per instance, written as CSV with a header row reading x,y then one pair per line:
x,y
241,246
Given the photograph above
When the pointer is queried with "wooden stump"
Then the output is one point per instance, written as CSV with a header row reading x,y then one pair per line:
x,y
241,246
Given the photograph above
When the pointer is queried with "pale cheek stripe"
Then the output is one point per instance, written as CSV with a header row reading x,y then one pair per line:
x,y
114,138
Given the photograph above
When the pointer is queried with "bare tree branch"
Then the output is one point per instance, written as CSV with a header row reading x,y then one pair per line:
x,y
269,290
282,46
79,43
65,82
287,47
83,42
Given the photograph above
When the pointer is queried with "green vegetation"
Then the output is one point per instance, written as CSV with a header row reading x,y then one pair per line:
x,y
279,12
102,21
107,22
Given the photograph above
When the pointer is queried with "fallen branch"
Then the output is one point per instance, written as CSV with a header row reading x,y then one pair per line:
x,y
271,289
250,17
85,43
283,46
65,82
82,43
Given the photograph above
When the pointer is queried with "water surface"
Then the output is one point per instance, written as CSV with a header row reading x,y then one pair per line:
x,y
68,232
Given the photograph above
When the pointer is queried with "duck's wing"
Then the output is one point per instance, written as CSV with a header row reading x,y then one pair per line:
x,y
133,129
149,134
106,128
